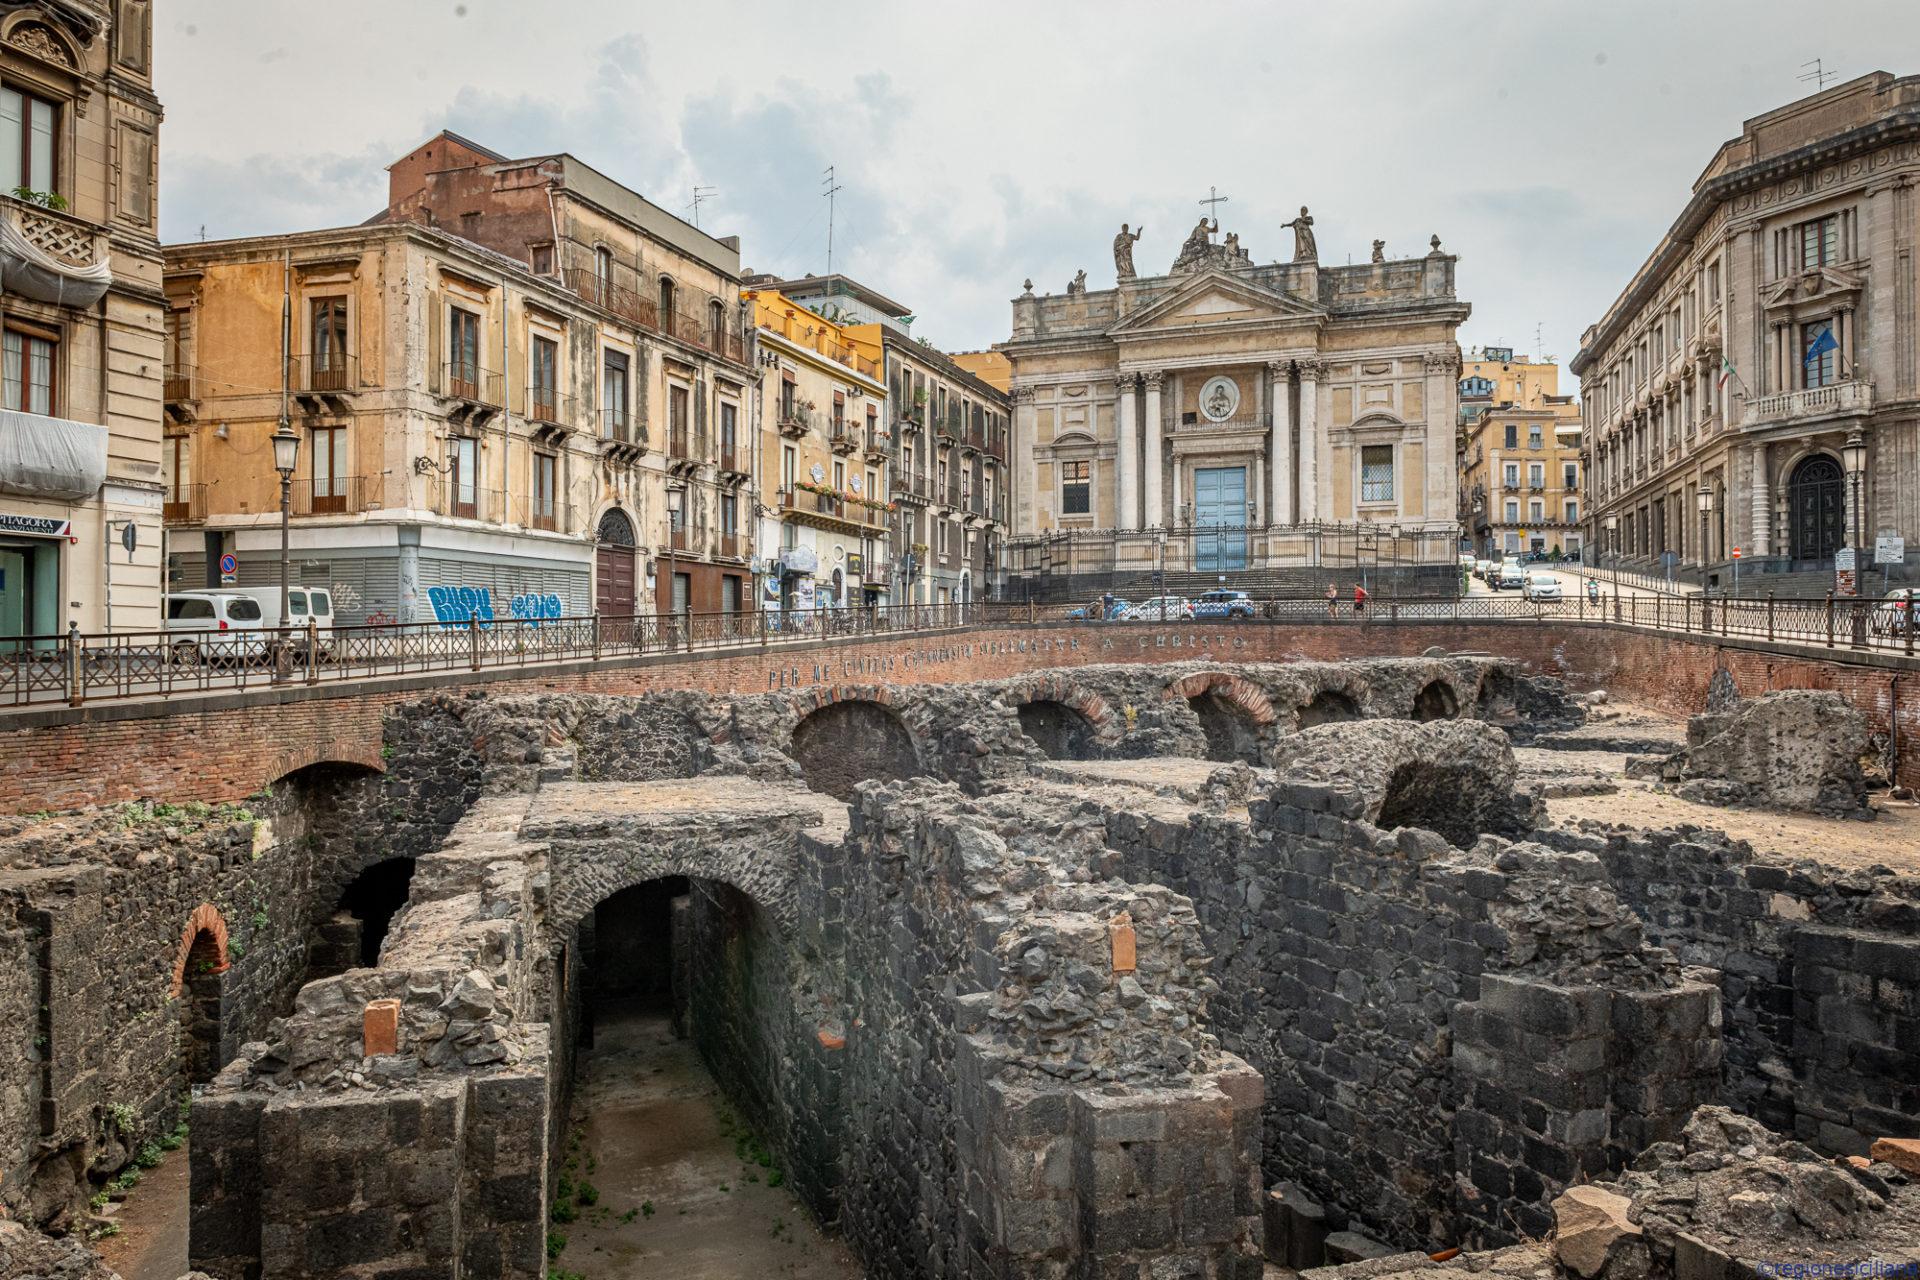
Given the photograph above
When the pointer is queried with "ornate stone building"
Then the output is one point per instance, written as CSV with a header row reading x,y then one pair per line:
x,y
1520,487
80,517
1234,418
1773,326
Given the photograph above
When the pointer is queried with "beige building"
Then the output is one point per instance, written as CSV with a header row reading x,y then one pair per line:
x,y
1520,458
1773,327
1228,418
823,429
80,516
545,412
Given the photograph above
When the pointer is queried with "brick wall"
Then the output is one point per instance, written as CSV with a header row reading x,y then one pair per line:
x,y
227,746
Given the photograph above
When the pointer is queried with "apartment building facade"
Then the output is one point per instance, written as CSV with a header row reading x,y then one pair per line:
x,y
1754,392
81,337
493,421
1519,457
823,432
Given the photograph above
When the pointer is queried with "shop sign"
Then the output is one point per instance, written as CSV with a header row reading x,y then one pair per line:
x,y
37,526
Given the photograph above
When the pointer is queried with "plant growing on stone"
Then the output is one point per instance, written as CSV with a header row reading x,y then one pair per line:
x,y
556,1244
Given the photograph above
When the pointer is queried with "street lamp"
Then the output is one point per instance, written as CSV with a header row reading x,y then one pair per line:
x,y
286,454
1853,455
1612,525
1705,499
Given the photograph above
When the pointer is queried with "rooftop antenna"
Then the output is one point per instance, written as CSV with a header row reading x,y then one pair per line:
x,y
831,187
1819,75
700,195
1539,341
203,233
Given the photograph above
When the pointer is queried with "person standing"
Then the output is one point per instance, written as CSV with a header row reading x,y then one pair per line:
x,y
1333,602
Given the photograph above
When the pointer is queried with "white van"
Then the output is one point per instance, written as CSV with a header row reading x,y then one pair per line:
x,y
213,626
229,623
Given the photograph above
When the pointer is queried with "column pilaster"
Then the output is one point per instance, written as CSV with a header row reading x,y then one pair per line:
x,y
1761,513
1154,515
1025,428
1310,451
1280,445
1126,492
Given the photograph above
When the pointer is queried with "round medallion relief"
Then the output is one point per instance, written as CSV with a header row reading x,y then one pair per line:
x,y
1219,398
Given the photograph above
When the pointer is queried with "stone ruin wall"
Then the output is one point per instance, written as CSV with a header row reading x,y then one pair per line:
x,y
829,1108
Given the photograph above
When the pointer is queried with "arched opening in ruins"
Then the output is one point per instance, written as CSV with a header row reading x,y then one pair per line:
x,y
1440,799
845,743
202,987
1230,732
1498,699
1436,701
628,952
1060,731
352,935
1329,706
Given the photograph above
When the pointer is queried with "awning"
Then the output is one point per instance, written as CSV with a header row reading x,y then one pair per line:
x,y
32,272
799,560
43,457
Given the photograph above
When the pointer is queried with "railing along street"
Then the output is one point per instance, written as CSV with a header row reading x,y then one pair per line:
x,y
78,668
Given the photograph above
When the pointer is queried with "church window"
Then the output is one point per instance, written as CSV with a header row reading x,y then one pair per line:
x,y
1076,489
1376,473
1820,241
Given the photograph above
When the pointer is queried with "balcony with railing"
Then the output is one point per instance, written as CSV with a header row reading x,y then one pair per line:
x,y
831,509
684,539
731,546
733,460
1809,404
603,293
184,503
680,446
326,373
467,502
550,405
877,443
620,427
845,437
181,383
796,420
334,495
908,486
463,380
544,511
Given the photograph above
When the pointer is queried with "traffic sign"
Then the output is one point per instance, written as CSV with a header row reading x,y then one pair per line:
x,y
1736,553
228,564
129,536
1889,548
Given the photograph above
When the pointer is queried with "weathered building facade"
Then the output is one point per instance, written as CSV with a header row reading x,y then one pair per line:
x,y
1228,417
1773,327
1520,460
80,518
520,390
822,428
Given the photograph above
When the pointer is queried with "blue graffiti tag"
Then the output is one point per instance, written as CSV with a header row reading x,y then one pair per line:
x,y
455,607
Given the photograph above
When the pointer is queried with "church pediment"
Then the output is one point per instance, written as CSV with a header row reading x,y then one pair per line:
x,y
1215,298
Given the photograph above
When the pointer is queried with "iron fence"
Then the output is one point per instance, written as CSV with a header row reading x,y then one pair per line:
x,y
78,668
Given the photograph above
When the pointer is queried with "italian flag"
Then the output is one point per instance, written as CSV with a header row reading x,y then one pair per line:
x,y
1726,371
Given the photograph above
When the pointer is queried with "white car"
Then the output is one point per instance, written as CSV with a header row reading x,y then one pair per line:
x,y
1481,568
1509,574
1541,586
1894,616
1162,609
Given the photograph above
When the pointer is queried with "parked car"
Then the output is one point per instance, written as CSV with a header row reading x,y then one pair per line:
x,y
1510,574
220,627
1481,568
1161,609
1229,605
1894,616
1541,586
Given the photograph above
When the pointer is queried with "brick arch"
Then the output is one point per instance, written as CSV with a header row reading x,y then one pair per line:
x,y
206,918
1093,708
332,751
836,774
1226,686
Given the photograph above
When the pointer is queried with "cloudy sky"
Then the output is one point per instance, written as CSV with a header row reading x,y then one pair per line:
x,y
1548,145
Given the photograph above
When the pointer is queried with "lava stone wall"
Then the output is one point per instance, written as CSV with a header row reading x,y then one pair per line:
x,y
1819,969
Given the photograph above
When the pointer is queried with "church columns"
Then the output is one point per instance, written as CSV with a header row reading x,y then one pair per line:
x,y
1155,516
1762,513
1280,447
1025,430
1310,440
1126,495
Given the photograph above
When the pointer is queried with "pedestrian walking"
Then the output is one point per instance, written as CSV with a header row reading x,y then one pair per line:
x,y
1359,600
1333,602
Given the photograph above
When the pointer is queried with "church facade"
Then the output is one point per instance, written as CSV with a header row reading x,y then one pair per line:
x,y
1273,425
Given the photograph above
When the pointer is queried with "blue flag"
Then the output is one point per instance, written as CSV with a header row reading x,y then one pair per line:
x,y
1821,345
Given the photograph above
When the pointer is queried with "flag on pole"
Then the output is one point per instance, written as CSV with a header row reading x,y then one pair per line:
x,y
1821,345
1726,371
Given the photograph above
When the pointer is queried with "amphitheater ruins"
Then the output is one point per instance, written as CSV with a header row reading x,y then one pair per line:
x,y
1151,970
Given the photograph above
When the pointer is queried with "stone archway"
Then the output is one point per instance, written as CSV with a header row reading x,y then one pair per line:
x,y
1816,508
1329,706
1235,714
199,984
848,741
1436,701
1064,721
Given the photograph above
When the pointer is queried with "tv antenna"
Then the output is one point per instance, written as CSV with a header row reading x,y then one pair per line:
x,y
1539,340
700,196
1819,75
831,187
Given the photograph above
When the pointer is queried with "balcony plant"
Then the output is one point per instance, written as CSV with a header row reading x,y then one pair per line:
x,y
45,199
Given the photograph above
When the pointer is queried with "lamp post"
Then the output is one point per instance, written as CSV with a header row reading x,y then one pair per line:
x,y
1612,526
1705,500
286,452
1853,455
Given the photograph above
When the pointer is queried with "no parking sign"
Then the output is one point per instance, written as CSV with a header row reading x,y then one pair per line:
x,y
229,566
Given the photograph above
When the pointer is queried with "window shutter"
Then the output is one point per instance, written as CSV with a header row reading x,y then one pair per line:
x,y
700,415
436,320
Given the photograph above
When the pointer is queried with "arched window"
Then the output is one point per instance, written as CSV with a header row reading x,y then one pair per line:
x,y
716,319
602,274
666,301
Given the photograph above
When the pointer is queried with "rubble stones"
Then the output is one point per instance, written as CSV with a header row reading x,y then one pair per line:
x,y
1796,750
1590,1226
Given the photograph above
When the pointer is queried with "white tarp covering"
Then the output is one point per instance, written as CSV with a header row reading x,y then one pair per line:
x,y
27,270
42,457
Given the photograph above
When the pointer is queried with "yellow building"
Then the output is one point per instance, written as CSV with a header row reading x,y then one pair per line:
x,y
825,433
991,367
563,428
1519,457
80,517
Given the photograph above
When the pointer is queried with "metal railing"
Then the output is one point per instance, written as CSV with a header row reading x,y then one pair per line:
x,y
333,371
184,502
180,381
621,427
332,495
465,381
77,668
